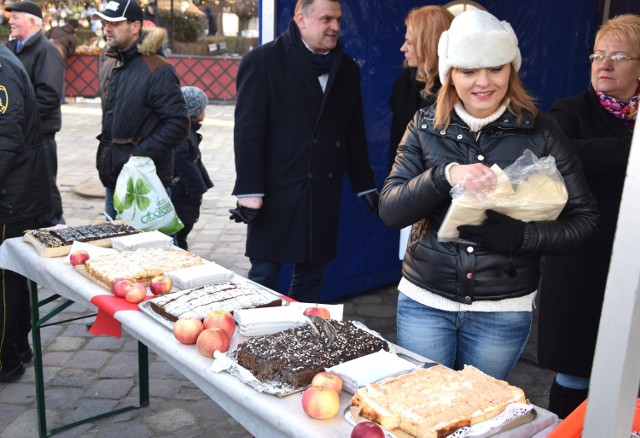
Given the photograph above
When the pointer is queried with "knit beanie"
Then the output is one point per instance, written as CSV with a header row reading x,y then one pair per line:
x,y
477,39
196,100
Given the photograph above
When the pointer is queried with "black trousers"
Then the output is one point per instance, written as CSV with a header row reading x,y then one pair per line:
x,y
15,316
54,216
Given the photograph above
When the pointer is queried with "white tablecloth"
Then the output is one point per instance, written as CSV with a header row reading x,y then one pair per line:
x,y
261,414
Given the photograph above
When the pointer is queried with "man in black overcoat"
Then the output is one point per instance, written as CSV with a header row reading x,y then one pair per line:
x,y
298,127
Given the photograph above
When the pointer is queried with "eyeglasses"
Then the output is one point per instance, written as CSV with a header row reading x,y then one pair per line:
x,y
616,59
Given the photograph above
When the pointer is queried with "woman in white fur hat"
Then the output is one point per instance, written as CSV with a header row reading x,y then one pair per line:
x,y
462,303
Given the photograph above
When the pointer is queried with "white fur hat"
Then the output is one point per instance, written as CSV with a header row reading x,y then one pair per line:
x,y
477,39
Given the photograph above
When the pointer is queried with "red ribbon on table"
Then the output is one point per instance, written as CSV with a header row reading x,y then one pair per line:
x,y
108,305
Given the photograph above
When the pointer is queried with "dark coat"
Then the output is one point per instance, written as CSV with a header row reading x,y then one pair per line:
x,y
572,287
416,192
64,38
191,178
404,101
45,67
144,113
24,185
294,144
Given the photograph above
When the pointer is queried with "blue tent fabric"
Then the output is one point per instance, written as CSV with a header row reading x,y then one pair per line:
x,y
555,40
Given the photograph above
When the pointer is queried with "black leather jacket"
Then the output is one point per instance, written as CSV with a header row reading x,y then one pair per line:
x,y
417,192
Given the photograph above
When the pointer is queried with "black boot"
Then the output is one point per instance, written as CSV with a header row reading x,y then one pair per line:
x,y
563,400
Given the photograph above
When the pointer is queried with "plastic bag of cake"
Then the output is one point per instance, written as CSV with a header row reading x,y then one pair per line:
x,y
141,200
530,189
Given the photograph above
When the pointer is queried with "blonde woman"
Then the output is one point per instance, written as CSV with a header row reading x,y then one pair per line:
x,y
417,84
471,303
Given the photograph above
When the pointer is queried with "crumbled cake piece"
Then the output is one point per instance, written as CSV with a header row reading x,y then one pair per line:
x,y
435,402
292,357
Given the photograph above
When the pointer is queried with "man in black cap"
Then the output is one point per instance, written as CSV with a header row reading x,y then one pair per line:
x,y
45,67
25,195
144,113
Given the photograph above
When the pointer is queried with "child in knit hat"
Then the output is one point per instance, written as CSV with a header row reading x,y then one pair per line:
x,y
191,179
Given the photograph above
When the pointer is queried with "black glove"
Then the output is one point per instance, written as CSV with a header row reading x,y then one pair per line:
x,y
243,214
370,201
499,232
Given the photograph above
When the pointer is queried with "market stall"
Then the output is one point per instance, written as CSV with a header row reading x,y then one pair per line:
x,y
262,414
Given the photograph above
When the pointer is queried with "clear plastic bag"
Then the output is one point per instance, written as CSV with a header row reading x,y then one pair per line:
x,y
530,189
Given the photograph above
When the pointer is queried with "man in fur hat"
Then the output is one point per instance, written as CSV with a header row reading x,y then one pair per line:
x,y
144,113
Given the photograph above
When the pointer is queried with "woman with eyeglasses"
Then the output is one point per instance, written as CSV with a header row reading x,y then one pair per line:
x,y
599,123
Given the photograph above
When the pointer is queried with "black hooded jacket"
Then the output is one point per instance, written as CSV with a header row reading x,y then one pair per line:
x,y
144,113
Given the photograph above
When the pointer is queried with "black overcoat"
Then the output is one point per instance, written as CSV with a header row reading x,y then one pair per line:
x,y
294,143
572,286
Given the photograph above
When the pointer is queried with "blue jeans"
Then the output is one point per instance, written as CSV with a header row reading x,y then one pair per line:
x,y
306,283
572,382
108,202
490,341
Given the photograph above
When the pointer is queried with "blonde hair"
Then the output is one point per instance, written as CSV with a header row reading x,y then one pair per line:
x,y
427,24
520,100
624,27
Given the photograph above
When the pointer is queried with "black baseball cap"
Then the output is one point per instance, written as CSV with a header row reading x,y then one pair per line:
x,y
27,7
120,10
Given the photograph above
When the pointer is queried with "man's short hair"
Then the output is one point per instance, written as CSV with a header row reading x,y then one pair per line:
x,y
305,5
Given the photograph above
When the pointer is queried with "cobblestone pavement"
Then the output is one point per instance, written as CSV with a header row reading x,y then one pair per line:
x,y
85,374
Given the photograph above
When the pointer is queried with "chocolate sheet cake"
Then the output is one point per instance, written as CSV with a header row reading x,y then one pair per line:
x,y
56,237
198,302
294,356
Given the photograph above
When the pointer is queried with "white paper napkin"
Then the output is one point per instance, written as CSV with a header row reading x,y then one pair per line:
x,y
267,320
199,275
149,239
371,368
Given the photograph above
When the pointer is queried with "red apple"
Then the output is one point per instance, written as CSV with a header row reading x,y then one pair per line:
x,y
367,429
322,312
321,403
79,257
160,285
135,292
329,380
222,319
119,285
211,340
186,330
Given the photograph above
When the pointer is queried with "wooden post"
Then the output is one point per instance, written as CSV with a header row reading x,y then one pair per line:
x,y
616,368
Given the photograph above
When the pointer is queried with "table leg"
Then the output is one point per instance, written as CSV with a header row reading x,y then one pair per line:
x,y
143,372
37,359
37,323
